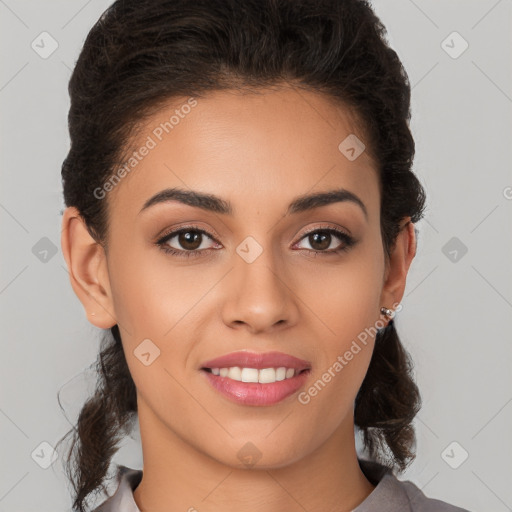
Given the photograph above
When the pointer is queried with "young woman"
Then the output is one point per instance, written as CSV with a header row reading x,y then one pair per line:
x,y
240,219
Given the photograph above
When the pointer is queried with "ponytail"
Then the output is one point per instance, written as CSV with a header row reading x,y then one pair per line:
x,y
387,402
103,421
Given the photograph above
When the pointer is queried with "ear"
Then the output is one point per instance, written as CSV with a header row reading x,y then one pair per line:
x,y
398,265
88,272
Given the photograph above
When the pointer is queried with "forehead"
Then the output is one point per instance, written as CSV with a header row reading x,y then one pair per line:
x,y
255,149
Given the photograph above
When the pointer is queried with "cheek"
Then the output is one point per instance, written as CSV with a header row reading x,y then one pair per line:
x,y
344,305
161,302
328,399
150,293
345,296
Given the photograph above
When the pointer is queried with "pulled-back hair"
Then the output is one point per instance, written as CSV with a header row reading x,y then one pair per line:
x,y
143,53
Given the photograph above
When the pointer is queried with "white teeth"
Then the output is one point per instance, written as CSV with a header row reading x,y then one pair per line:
x,y
249,375
264,376
281,373
235,373
267,375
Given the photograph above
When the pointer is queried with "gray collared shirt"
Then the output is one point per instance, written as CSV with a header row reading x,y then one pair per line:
x,y
389,495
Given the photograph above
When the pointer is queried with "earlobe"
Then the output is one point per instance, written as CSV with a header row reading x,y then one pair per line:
x,y
87,268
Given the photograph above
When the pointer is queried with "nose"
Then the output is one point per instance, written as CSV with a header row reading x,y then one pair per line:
x,y
259,296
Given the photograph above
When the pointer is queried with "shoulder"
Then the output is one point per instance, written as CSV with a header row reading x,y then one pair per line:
x,y
393,495
122,500
421,503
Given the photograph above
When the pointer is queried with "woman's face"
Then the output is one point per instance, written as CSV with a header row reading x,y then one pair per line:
x,y
254,283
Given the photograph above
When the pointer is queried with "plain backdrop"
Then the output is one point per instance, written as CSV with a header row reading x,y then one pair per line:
x,y
457,306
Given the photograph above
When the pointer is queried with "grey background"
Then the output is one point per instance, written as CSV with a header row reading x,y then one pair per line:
x,y
457,305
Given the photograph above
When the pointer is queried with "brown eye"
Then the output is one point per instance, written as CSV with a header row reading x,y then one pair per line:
x,y
186,242
321,239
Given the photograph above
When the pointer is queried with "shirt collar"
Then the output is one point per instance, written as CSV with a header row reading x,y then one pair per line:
x,y
122,500
388,495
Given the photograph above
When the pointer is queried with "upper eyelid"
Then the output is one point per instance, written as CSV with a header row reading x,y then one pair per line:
x,y
326,228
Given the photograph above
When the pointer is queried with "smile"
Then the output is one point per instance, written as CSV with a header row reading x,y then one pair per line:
x,y
256,393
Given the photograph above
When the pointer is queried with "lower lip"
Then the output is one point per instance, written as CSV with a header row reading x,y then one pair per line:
x,y
254,393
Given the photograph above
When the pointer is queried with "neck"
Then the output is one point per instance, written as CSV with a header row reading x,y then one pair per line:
x,y
177,476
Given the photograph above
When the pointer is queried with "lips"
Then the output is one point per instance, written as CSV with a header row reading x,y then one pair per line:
x,y
254,393
245,359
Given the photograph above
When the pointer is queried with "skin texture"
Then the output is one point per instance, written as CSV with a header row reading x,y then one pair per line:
x,y
258,151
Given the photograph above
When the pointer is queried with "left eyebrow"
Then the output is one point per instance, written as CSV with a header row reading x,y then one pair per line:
x,y
216,204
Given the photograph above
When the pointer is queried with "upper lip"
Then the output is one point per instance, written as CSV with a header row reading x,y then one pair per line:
x,y
256,360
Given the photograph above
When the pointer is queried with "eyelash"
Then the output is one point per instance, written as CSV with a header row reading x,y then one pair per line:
x,y
348,242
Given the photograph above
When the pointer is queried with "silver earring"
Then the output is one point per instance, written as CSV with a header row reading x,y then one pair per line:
x,y
388,312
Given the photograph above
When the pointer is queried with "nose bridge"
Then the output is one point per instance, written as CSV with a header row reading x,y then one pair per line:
x,y
258,271
258,292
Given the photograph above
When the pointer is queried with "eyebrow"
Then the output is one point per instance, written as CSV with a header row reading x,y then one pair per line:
x,y
213,203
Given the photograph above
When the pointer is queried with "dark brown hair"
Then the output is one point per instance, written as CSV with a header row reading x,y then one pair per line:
x,y
141,53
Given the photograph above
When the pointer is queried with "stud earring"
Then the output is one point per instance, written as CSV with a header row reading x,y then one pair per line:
x,y
388,312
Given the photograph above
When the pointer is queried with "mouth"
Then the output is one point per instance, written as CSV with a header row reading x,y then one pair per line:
x,y
249,378
240,385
